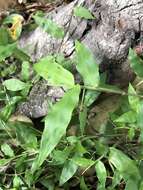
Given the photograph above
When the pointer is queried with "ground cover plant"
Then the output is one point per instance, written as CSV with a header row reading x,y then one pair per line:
x,y
62,152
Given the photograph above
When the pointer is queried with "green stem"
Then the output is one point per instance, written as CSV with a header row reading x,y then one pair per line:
x,y
107,90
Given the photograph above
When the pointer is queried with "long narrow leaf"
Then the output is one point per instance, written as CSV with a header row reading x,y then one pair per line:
x,y
86,65
56,124
124,164
68,171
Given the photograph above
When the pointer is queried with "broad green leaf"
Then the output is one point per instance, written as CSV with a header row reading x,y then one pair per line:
x,y
87,66
25,72
20,163
123,164
54,73
136,63
7,150
14,84
6,51
101,148
17,182
9,108
48,183
80,148
141,186
131,184
101,173
61,156
83,186
3,36
56,124
133,100
68,171
26,135
7,111
83,162
83,12
49,26
127,117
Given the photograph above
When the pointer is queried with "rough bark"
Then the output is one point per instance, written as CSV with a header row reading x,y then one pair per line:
x,y
117,27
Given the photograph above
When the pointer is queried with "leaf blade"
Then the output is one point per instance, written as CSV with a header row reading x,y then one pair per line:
x,y
54,73
87,66
56,124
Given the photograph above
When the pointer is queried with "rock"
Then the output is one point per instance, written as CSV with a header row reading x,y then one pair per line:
x,y
40,99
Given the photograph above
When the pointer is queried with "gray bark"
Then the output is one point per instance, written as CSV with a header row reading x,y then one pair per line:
x,y
118,25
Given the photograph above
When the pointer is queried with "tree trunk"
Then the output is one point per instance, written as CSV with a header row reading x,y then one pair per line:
x,y
117,27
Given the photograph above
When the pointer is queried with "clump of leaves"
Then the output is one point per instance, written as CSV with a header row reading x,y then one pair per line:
x,y
53,157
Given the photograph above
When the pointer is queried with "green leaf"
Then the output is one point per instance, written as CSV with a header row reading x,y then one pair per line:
x,y
141,186
56,124
101,173
90,97
83,12
49,184
128,117
7,111
87,66
4,162
17,182
131,184
123,164
7,150
68,171
61,156
83,162
25,72
131,133
9,108
3,36
49,26
83,186
136,63
26,135
117,177
21,55
20,164
54,73
6,51
133,100
14,84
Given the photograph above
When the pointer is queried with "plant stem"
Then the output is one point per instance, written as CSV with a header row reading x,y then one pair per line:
x,y
107,90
